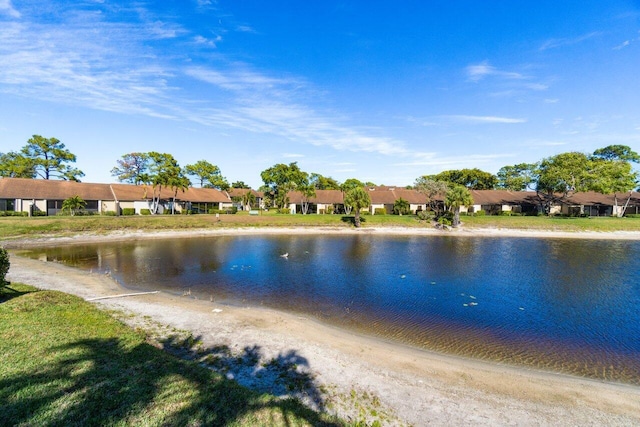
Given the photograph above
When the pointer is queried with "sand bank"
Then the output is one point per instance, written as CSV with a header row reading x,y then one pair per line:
x,y
412,386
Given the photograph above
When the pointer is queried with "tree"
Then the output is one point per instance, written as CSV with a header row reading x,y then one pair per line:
x,y
350,184
164,171
320,182
240,184
473,179
280,179
457,196
517,177
561,175
434,192
73,205
208,174
50,158
4,267
617,152
357,198
612,168
132,168
15,165
308,191
401,207
248,198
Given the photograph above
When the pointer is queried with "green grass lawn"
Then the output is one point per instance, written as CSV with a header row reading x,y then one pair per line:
x,y
63,362
14,227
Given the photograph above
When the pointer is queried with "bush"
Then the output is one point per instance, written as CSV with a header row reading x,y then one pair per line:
x,y
4,266
505,213
632,216
229,211
329,210
12,213
379,211
481,212
145,211
109,213
425,215
128,211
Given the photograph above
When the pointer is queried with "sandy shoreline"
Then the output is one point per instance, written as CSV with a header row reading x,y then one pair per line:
x,y
413,386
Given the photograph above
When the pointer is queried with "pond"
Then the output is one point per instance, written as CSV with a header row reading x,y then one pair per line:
x,y
566,305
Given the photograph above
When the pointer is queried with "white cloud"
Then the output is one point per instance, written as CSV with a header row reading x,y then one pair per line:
x,y
448,162
551,100
478,72
622,45
557,43
7,8
483,119
292,156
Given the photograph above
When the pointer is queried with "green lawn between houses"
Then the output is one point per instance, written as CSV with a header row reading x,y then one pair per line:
x,y
65,362
14,227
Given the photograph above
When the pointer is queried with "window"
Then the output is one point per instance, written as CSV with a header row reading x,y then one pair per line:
x,y
7,205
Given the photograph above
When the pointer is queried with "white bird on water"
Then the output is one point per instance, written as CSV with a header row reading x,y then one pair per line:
x,y
285,255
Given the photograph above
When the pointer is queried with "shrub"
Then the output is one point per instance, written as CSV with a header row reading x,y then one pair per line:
x,y
379,211
284,211
505,213
329,209
4,266
128,211
12,213
481,212
632,216
425,215
229,211
109,213
145,211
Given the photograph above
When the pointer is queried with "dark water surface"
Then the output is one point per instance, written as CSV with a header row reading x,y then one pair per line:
x,y
566,305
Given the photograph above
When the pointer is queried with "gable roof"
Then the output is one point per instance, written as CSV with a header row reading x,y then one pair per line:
x,y
42,189
27,188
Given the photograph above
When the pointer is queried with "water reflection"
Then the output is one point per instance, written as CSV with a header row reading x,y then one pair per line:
x,y
566,305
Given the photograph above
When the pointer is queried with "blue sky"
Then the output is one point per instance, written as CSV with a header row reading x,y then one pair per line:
x,y
375,90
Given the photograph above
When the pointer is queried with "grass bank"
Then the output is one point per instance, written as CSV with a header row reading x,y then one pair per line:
x,y
65,362
18,227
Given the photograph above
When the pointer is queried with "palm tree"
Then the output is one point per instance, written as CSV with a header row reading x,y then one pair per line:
x,y
357,198
457,196
73,205
247,199
401,206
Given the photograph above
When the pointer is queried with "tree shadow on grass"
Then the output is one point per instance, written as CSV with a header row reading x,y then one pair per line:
x,y
286,375
7,293
106,382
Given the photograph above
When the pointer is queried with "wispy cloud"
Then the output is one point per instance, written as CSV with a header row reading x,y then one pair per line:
x,y
562,42
477,72
435,160
483,119
7,8
622,45
100,62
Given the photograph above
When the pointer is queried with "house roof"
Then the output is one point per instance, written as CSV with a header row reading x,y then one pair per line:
x,y
27,188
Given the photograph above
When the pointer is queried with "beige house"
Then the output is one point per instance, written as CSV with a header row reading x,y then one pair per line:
x,y
45,197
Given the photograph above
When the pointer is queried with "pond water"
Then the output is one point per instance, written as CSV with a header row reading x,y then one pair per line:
x,y
566,305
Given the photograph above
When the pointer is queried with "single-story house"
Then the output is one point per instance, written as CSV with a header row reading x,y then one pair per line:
x,y
236,195
45,197
385,198
324,202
